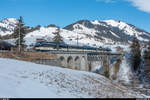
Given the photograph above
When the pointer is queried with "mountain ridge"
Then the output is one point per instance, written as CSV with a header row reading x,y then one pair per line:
x,y
93,32
111,27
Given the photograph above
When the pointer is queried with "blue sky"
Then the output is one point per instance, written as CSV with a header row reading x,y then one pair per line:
x,y
64,12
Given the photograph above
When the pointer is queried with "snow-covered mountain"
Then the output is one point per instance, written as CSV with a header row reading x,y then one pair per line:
x,y
96,33
7,26
109,29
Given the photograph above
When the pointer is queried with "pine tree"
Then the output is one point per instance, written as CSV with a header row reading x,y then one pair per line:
x,y
147,51
0,37
19,33
57,38
37,27
136,54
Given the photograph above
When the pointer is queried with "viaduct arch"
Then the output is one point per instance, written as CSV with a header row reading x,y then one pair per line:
x,y
73,61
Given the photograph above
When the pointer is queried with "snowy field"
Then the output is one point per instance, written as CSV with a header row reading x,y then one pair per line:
x,y
19,79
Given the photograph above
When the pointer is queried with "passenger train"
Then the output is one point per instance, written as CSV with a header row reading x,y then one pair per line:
x,y
52,46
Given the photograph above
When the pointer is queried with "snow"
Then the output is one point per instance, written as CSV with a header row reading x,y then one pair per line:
x,y
20,79
116,23
126,28
9,20
96,22
129,30
124,71
114,34
97,66
86,36
46,33
43,32
8,24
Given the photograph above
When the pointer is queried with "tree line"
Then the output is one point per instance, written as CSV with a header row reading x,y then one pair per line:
x,y
136,51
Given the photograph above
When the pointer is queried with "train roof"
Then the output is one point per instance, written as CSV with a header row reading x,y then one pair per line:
x,y
5,44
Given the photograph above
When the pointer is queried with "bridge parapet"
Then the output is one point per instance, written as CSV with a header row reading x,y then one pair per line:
x,y
95,56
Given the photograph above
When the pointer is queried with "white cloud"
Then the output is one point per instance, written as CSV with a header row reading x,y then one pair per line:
x,y
143,5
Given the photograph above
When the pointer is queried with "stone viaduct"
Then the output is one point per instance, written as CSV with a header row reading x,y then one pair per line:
x,y
85,61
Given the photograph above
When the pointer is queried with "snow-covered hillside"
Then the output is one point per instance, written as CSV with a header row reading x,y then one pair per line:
x,y
70,37
7,26
19,79
47,34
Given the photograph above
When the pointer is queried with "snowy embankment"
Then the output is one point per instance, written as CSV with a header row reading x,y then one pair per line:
x,y
21,79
